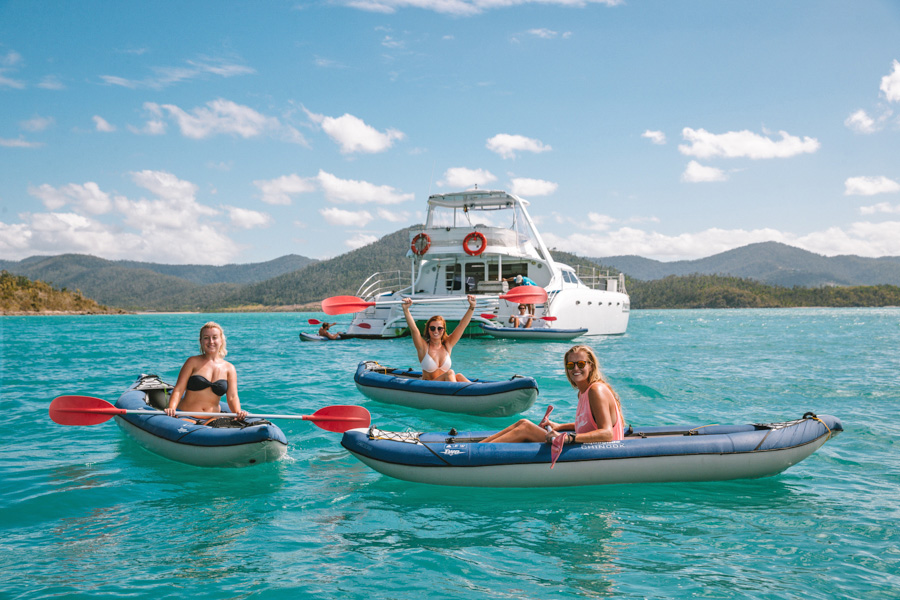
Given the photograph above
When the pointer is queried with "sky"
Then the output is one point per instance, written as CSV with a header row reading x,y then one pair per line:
x,y
217,132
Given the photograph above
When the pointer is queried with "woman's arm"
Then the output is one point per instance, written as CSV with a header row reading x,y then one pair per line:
x,y
463,323
413,329
180,386
231,396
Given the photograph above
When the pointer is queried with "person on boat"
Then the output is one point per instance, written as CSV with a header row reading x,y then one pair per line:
x,y
523,319
521,280
598,416
205,378
435,347
323,331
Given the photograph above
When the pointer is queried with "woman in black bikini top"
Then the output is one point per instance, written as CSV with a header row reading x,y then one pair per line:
x,y
205,378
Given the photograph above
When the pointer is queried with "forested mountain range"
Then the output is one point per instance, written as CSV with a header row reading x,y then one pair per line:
x,y
772,263
743,277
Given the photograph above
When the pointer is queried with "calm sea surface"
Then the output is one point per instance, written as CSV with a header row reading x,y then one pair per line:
x,y
85,512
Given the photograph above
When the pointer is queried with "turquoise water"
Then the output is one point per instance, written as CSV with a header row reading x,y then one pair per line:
x,y
84,512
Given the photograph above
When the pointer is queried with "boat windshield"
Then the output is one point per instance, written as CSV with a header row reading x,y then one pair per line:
x,y
500,215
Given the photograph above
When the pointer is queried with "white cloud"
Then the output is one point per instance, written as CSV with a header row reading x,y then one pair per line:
x,y
394,216
165,185
37,124
346,218
881,207
890,84
220,117
870,186
51,82
461,8
521,186
507,145
281,189
352,134
463,178
166,76
360,240
657,137
87,198
861,122
19,143
248,219
744,144
10,62
103,125
359,192
697,173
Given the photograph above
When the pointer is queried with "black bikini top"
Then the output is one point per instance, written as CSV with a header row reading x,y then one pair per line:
x,y
197,383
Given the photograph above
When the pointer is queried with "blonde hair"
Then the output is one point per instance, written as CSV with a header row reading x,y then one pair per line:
x,y
223,351
444,335
595,375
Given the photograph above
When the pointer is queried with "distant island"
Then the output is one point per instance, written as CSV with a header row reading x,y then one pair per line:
x,y
766,275
21,296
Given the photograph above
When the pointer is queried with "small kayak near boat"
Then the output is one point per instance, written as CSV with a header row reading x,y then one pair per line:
x,y
532,333
406,387
315,337
186,442
645,455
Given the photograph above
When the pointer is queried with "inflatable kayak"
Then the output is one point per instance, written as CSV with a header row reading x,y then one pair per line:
x,y
532,333
650,454
481,398
199,445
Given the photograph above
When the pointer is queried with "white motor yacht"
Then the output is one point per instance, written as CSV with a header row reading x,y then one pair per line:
x,y
483,242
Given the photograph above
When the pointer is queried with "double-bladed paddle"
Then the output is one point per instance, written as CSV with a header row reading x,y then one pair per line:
x,y
493,316
339,305
360,325
87,410
556,445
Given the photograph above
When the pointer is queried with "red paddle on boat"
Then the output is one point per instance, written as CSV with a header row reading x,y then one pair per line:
x,y
556,445
338,305
87,410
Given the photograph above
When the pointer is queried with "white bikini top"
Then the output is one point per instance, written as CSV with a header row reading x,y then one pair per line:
x,y
430,365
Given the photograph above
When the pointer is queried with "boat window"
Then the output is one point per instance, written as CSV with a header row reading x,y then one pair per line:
x,y
493,275
511,269
474,274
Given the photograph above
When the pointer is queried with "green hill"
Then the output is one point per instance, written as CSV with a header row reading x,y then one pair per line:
x,y
20,295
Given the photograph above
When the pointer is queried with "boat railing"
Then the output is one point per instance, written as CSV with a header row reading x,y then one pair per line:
x,y
381,283
600,279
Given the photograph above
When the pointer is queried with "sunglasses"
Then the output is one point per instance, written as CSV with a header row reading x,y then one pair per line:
x,y
435,328
578,363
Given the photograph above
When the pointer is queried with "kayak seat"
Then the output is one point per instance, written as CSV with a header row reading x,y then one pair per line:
x,y
157,398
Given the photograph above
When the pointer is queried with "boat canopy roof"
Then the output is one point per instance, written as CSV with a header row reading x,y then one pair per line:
x,y
476,199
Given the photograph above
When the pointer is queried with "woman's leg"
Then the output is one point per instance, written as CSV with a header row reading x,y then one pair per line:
x,y
522,430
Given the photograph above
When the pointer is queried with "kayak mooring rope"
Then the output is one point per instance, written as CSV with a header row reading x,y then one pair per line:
x,y
773,426
407,437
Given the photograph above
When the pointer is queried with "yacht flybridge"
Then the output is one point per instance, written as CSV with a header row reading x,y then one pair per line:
x,y
477,242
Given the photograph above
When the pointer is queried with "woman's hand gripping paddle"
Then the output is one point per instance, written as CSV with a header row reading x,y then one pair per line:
x,y
87,410
339,305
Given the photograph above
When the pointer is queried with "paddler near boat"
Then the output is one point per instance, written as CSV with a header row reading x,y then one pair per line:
x,y
434,349
205,378
598,416
323,331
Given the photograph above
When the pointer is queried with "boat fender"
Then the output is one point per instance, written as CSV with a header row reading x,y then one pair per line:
x,y
420,244
475,235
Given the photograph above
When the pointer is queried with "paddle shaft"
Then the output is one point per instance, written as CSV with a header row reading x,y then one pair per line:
x,y
125,411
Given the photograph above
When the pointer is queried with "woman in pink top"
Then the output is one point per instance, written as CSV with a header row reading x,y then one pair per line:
x,y
598,416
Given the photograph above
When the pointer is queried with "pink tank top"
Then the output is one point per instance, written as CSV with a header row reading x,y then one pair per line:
x,y
584,418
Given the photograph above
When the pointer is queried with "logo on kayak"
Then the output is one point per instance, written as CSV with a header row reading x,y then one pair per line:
x,y
454,449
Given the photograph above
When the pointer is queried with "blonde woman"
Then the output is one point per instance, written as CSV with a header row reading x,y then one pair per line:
x,y
598,416
435,345
205,378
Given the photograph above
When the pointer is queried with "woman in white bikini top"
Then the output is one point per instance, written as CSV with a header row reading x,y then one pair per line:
x,y
436,344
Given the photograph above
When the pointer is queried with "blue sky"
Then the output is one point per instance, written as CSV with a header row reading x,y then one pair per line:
x,y
236,132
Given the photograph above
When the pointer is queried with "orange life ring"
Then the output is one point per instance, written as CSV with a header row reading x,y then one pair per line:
x,y
475,235
420,244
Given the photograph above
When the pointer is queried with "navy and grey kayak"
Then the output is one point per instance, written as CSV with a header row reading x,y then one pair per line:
x,y
406,387
533,333
649,454
315,337
186,442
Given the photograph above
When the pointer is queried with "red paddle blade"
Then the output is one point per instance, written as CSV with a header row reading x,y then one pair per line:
x,y
340,418
526,294
546,420
556,448
364,326
549,318
339,305
82,410
488,316
314,322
